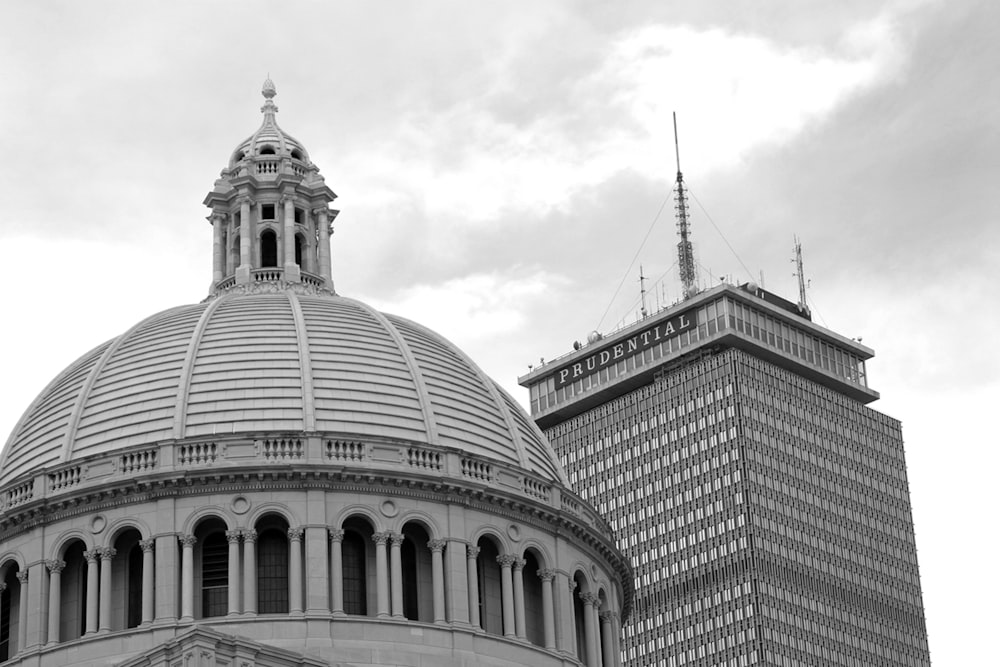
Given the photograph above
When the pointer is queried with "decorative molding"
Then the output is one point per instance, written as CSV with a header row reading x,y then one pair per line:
x,y
519,564
249,536
471,552
91,555
187,540
55,566
233,536
437,546
506,560
380,538
23,577
336,535
546,574
147,545
107,553
396,539
295,534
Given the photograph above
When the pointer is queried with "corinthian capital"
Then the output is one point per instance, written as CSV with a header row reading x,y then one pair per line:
x,y
506,560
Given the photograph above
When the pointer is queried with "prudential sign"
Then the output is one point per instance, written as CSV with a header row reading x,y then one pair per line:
x,y
632,345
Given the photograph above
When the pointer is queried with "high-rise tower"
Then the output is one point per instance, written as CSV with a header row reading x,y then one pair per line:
x,y
765,506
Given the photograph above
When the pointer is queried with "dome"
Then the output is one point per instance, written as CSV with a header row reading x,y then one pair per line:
x,y
274,363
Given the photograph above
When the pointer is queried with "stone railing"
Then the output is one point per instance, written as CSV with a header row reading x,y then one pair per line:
x,y
315,453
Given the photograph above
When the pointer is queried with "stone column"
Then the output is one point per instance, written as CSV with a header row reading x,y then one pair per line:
x,y
218,247
107,555
246,242
167,580
471,554
312,245
323,220
437,578
233,579
317,571
55,597
548,617
381,574
187,577
148,585
507,593
92,557
250,571
22,612
519,621
295,570
292,272
590,604
396,574
607,638
37,609
337,570
616,635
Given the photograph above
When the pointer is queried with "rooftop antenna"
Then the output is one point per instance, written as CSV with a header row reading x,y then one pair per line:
x,y
685,251
800,274
642,292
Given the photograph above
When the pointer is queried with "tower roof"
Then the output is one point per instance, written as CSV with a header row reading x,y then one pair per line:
x,y
269,139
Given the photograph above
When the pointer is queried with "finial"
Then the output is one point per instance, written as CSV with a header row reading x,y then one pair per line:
x,y
269,90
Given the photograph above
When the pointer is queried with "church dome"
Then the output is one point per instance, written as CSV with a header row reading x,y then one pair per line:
x,y
275,363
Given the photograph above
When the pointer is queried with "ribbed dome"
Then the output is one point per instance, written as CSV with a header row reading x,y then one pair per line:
x,y
274,363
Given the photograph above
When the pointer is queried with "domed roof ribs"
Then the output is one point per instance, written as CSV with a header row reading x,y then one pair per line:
x,y
426,407
84,395
305,365
184,386
42,396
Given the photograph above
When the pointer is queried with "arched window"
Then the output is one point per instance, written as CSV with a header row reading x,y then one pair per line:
x,y
490,597
10,601
296,153
234,254
73,593
418,594
355,573
272,565
267,149
268,248
579,620
534,620
212,567
126,581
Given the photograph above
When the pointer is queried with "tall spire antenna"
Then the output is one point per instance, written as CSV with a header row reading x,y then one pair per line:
x,y
800,274
685,251
642,292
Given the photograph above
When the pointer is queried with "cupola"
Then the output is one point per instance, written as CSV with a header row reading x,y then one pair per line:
x,y
271,215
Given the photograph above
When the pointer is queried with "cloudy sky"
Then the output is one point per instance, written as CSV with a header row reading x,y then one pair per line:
x,y
499,165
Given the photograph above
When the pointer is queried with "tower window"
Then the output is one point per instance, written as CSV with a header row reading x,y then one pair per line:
x,y
267,150
299,242
297,154
298,216
267,211
268,248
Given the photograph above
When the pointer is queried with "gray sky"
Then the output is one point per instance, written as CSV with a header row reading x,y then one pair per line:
x,y
498,165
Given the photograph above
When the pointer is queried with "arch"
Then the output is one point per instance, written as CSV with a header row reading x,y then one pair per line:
x,y
264,510
503,546
118,526
126,577
267,149
9,560
268,248
363,512
297,154
418,586
489,583
272,562
423,519
73,590
534,616
207,512
211,566
64,540
10,604
358,565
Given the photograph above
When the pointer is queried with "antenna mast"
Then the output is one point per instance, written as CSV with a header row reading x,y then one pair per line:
x,y
642,292
685,251
800,274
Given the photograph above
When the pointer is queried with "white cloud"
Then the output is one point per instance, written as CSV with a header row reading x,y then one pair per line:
x,y
475,307
469,164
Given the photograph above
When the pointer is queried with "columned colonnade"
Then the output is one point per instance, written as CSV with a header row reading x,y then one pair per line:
x,y
320,590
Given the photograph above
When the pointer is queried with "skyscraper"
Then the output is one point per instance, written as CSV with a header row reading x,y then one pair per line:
x,y
765,506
